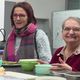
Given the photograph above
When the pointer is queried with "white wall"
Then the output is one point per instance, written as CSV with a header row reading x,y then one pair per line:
x,y
1,17
43,8
2,13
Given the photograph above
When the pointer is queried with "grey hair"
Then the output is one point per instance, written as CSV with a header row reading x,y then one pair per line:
x,y
77,19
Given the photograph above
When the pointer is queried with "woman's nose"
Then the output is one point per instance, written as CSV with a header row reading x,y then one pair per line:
x,y
18,18
71,31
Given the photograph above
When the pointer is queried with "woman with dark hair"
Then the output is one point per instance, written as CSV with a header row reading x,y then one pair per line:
x,y
26,41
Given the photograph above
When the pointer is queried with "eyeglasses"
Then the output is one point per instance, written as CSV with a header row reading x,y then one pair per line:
x,y
76,29
19,15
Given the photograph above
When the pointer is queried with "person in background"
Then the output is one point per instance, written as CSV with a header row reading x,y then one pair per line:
x,y
68,56
26,41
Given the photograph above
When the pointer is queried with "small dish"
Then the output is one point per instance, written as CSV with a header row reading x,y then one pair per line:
x,y
10,64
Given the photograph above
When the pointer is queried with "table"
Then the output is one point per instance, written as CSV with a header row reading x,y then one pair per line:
x,y
18,69
70,75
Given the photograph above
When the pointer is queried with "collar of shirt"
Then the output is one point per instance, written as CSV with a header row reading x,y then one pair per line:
x,y
76,52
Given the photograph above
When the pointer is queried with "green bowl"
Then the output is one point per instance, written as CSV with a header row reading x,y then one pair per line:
x,y
41,69
28,64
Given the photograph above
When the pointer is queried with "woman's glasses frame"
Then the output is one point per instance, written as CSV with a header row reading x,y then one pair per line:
x,y
19,15
75,29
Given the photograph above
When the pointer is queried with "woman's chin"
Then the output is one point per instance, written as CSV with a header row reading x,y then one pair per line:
x,y
18,26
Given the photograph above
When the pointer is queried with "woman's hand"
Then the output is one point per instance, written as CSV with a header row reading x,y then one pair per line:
x,y
61,66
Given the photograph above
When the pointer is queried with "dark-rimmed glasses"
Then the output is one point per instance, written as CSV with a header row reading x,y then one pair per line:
x,y
19,15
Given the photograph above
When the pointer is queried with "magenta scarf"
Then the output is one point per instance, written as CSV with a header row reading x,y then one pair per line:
x,y
11,40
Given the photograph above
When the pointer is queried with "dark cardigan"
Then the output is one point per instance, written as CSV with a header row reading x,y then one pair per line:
x,y
73,61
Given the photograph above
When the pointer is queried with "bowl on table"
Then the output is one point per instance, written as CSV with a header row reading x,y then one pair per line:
x,y
28,64
42,69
